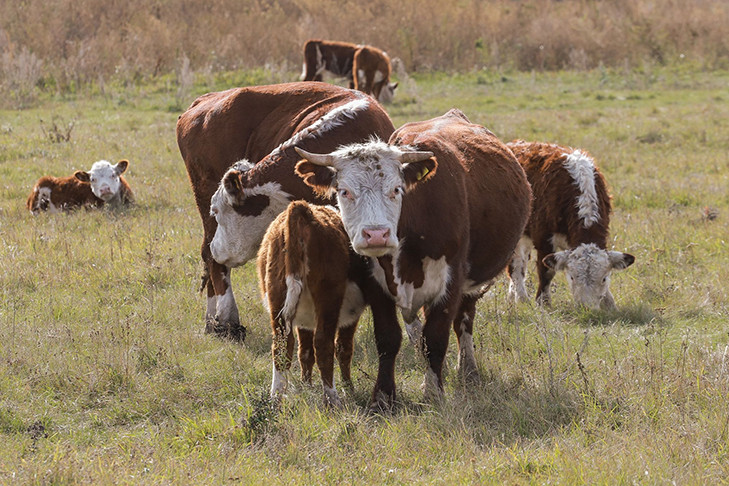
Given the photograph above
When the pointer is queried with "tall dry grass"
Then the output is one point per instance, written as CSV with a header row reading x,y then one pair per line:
x,y
62,44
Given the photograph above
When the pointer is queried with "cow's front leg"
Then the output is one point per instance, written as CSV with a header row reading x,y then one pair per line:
x,y
388,337
344,347
546,275
227,320
306,353
517,270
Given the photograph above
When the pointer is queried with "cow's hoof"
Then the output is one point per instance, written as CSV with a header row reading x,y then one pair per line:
x,y
381,404
229,330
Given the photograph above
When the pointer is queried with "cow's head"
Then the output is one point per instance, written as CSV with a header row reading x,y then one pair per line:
x,y
104,178
243,212
370,180
387,93
588,268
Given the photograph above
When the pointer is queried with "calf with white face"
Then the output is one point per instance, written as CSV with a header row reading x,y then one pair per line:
x,y
588,268
370,180
107,183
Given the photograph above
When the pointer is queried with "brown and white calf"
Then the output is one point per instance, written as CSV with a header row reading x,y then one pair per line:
x,y
311,280
259,124
367,68
434,243
102,185
568,226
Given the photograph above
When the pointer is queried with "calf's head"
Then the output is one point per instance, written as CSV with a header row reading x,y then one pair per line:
x,y
370,180
588,268
104,178
243,212
387,93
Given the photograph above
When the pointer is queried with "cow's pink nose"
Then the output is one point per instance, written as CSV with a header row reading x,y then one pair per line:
x,y
376,236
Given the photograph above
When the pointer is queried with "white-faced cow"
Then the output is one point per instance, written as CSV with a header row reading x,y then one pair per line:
x,y
367,68
311,280
261,124
102,185
455,233
571,213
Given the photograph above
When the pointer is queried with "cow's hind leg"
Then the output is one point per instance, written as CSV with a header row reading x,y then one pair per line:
x,y
326,329
306,353
545,274
282,351
344,346
463,327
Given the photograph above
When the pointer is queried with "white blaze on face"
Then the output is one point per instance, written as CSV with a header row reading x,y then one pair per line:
x,y
238,237
588,269
104,179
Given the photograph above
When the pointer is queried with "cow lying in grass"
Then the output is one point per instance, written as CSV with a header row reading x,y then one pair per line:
x,y
102,185
571,213
311,280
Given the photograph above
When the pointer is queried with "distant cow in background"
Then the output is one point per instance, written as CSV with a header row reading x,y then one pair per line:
x,y
311,279
367,68
103,184
571,213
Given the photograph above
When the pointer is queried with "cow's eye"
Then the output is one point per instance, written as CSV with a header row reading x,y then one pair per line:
x,y
398,191
343,193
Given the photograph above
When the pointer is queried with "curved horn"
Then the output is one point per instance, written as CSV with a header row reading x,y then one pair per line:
x,y
408,157
318,159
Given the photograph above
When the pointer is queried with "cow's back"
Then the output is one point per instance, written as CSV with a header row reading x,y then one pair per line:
x,y
480,177
556,193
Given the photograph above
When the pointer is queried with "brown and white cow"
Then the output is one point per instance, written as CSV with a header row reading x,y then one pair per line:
x,y
455,233
571,213
311,280
367,68
260,124
102,185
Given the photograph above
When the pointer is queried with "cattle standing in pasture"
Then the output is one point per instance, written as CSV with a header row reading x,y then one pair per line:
x,y
367,68
261,124
455,232
570,212
311,280
102,185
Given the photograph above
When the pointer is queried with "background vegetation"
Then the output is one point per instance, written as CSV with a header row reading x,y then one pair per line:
x,y
107,378
64,45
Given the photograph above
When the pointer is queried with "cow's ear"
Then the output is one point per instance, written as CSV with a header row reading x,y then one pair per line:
x,y
415,172
232,185
121,166
556,261
620,260
82,176
318,177
393,86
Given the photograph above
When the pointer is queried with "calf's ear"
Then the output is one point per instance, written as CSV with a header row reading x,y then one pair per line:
x,y
82,175
419,170
318,177
121,166
620,260
232,185
556,261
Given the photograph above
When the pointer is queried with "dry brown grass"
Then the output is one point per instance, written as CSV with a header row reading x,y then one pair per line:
x,y
62,44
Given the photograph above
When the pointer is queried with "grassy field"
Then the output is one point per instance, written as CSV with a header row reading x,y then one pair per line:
x,y
106,375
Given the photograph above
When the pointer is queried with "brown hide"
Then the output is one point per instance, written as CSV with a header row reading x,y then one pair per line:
x,y
554,209
472,211
370,60
66,193
309,244
221,128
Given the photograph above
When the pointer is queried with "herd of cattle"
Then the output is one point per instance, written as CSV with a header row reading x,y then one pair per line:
x,y
428,216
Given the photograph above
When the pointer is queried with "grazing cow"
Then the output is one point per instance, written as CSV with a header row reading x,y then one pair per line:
x,y
310,279
102,185
570,212
367,68
260,123
455,233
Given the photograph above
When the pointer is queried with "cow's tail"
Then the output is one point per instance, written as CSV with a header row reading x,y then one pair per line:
x,y
295,235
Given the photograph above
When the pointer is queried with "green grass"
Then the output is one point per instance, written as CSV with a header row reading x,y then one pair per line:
x,y
106,376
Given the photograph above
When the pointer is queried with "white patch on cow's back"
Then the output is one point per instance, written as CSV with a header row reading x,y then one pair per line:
x,y
582,169
331,120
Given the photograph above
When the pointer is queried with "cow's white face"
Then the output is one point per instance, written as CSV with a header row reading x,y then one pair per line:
x,y
243,215
387,93
370,180
104,178
588,268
